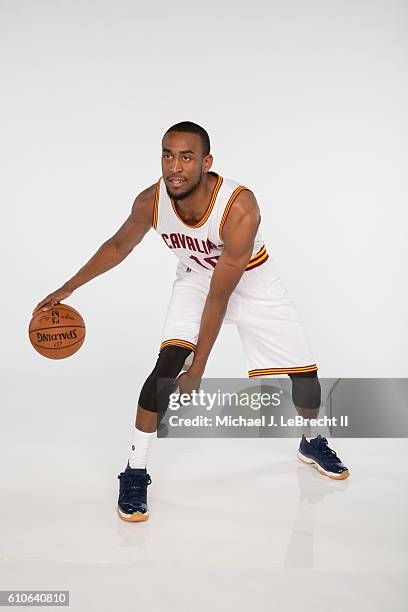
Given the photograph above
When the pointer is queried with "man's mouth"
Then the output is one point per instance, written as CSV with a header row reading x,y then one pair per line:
x,y
176,181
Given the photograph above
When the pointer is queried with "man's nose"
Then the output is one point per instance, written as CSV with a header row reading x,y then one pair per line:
x,y
176,165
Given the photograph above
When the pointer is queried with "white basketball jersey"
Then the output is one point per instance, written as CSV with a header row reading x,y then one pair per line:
x,y
199,246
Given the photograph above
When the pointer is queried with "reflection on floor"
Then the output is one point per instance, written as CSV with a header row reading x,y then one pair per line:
x,y
234,525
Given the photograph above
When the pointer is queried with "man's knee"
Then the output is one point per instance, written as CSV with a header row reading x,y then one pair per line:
x,y
158,386
306,390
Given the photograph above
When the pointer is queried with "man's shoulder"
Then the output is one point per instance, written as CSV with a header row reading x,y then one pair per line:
x,y
239,203
144,202
147,195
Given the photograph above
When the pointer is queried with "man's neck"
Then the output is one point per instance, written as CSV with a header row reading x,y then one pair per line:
x,y
195,205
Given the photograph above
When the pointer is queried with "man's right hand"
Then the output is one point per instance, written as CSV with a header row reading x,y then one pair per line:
x,y
52,299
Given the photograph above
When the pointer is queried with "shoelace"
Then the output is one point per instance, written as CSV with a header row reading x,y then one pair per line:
x,y
134,487
328,452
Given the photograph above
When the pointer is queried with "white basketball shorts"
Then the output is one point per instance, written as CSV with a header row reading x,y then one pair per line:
x,y
273,338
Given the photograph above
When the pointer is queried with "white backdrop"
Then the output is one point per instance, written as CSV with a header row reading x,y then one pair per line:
x,y
303,102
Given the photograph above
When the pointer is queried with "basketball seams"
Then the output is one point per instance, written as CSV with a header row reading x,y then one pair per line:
x,y
64,308
58,348
56,327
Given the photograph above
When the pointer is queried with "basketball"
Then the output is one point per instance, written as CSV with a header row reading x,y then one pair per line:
x,y
58,332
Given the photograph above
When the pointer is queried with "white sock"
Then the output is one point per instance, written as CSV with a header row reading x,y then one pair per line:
x,y
140,448
307,431
312,431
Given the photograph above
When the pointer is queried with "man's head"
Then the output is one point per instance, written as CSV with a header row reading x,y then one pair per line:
x,y
185,158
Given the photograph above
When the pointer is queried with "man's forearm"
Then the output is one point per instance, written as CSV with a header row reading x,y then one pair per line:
x,y
210,325
106,257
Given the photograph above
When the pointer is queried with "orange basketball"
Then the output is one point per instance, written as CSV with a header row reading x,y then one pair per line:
x,y
57,333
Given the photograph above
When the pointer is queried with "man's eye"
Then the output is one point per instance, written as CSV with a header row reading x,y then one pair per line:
x,y
186,157
166,155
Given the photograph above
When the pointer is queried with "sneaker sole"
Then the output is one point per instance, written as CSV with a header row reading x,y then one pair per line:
x,y
136,517
340,476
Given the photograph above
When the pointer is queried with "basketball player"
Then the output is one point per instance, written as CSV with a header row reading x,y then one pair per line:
x,y
224,274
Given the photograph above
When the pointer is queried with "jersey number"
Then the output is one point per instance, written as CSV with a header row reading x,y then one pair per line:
x,y
211,260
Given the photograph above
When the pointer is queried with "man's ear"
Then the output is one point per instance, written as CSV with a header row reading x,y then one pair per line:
x,y
207,162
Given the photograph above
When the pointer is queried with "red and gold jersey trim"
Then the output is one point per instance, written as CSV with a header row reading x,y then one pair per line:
x,y
230,202
269,371
210,206
259,258
178,342
156,205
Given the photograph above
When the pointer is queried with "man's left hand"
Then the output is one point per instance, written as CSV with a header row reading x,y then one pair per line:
x,y
188,382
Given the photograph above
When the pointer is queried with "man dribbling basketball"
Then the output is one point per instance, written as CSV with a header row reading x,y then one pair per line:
x,y
224,274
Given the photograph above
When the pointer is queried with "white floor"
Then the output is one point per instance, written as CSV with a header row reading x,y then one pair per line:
x,y
235,525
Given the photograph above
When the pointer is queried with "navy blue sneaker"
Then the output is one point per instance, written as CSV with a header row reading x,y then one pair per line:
x,y
132,502
318,452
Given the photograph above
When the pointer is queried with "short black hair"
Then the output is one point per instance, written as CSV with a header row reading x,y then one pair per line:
x,y
192,128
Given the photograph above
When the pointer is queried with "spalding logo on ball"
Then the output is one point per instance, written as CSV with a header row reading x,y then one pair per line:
x,y
58,332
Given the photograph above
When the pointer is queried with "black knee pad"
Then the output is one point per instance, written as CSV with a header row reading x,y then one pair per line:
x,y
306,390
155,392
